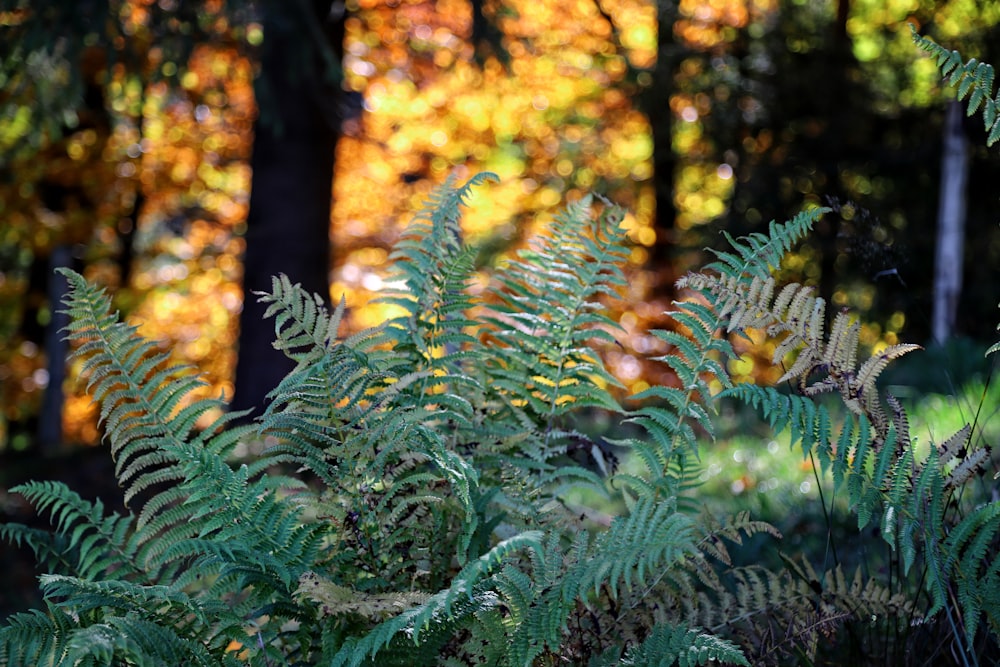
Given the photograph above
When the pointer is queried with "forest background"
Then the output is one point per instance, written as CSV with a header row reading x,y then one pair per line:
x,y
183,152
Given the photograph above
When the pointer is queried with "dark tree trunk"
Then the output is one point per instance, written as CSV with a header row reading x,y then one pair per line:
x,y
655,103
288,225
828,230
56,351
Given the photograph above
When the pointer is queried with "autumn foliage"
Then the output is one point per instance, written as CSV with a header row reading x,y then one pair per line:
x,y
145,175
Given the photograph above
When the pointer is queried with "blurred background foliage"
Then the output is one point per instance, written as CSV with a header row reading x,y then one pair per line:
x,y
127,130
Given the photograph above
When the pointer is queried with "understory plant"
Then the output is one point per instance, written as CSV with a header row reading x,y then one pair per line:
x,y
408,504
421,492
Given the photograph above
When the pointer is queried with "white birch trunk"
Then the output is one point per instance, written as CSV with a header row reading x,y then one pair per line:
x,y
951,225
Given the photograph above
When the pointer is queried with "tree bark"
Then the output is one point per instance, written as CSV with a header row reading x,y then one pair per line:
x,y
655,103
951,224
288,225
56,352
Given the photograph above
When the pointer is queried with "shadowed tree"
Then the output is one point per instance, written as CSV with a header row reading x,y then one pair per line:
x,y
655,103
301,105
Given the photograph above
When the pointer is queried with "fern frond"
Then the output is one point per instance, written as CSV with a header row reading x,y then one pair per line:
x,y
677,645
870,370
768,613
798,317
36,637
85,543
842,349
699,356
649,540
698,359
469,594
141,397
780,616
866,597
546,316
335,600
974,80
130,639
971,547
956,449
433,266
249,516
757,254
222,531
303,327
734,529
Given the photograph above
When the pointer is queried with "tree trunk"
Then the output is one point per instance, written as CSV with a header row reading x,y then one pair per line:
x,y
655,102
288,225
56,351
834,158
951,224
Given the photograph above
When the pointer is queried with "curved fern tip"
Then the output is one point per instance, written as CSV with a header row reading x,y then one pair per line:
x,y
482,177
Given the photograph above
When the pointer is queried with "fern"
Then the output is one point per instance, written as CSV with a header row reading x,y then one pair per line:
x,y
667,646
36,637
199,509
974,80
698,358
485,394
128,639
870,452
433,266
141,397
971,548
466,596
82,537
798,318
547,317
415,495
435,526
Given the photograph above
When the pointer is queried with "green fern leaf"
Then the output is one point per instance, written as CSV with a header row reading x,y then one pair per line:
x,y
666,646
974,79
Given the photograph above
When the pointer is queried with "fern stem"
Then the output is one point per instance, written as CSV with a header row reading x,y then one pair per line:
x,y
830,543
957,636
